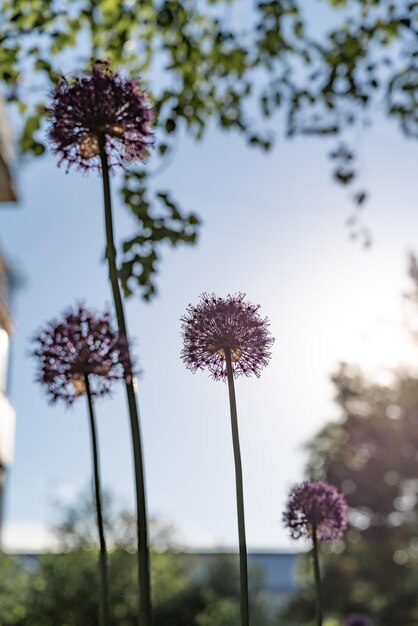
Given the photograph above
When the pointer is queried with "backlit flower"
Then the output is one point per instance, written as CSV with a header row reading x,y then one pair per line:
x,y
100,104
81,343
319,505
216,324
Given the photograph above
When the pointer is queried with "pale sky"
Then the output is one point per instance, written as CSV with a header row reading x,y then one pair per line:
x,y
273,228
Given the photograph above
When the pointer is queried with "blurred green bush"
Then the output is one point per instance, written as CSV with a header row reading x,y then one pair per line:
x,y
61,589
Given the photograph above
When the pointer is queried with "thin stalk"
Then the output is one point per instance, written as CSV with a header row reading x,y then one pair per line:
x,y
93,28
243,566
318,586
103,564
145,608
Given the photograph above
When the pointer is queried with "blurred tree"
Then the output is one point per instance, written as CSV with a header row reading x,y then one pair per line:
x,y
371,454
62,588
221,613
213,62
222,595
14,585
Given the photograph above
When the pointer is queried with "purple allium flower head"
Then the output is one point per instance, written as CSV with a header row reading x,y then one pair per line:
x,y
357,619
80,343
101,103
319,505
219,323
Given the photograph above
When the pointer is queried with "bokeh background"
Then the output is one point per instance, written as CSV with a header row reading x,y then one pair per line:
x,y
273,228
276,226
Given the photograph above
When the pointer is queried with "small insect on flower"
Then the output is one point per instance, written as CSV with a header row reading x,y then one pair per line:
x,y
319,506
100,106
217,324
80,343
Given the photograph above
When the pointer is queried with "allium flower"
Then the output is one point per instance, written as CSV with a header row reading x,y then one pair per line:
x,y
319,505
100,104
219,323
80,343
357,619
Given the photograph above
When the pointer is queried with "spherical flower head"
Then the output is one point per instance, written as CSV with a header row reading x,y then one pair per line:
x,y
319,506
101,104
218,324
357,619
80,343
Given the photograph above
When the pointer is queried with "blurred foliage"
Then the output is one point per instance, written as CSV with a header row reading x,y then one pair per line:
x,y
14,588
62,588
371,454
213,62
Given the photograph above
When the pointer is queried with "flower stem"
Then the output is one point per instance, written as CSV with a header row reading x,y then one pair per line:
x,y
243,566
103,564
145,610
93,27
318,586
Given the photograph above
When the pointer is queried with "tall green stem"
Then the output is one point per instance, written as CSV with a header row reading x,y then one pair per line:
x,y
93,27
145,609
243,566
103,564
318,586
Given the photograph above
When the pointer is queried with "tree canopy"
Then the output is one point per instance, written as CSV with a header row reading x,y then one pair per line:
x,y
274,66
370,453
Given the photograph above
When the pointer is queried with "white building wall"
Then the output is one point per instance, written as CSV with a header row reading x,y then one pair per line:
x,y
7,431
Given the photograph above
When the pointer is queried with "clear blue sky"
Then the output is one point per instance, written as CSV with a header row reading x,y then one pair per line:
x,y
273,228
